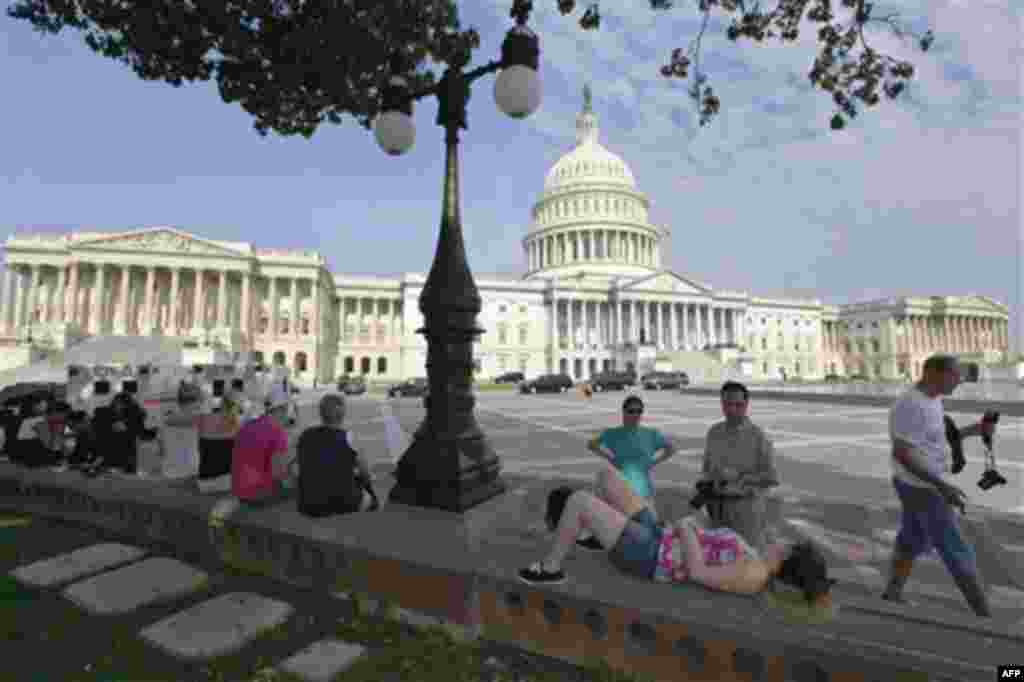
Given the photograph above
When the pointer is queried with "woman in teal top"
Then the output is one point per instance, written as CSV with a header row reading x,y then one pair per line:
x,y
633,450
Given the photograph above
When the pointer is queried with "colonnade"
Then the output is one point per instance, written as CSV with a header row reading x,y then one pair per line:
x,y
934,334
573,246
101,298
367,320
669,325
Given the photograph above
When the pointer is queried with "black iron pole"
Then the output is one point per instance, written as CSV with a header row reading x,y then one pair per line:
x,y
450,464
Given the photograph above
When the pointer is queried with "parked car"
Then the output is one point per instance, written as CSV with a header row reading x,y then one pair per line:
x,y
660,380
509,378
352,385
833,378
550,383
612,381
414,387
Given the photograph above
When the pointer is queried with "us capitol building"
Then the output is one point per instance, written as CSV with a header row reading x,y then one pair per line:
x,y
595,296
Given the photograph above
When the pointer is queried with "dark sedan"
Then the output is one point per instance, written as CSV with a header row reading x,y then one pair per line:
x,y
413,388
547,383
660,380
352,386
612,381
509,378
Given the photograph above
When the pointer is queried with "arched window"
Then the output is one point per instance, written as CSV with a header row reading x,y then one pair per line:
x,y
305,326
586,206
350,365
300,362
279,359
382,365
575,207
524,333
283,321
364,366
502,333
264,324
257,357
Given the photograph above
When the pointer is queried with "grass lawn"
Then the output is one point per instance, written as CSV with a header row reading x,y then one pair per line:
x,y
42,623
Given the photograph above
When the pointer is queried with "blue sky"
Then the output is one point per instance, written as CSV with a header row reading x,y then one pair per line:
x,y
918,197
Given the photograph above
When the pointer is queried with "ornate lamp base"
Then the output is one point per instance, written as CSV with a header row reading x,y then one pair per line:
x,y
454,474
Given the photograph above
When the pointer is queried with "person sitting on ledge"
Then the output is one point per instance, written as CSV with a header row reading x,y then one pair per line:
x,y
677,552
259,461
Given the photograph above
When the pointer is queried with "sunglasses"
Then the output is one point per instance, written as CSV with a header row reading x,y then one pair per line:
x,y
633,413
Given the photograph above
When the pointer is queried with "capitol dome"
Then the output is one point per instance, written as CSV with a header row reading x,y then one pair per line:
x,y
591,217
589,161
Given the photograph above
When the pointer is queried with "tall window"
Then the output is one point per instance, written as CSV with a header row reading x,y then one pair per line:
x,y
502,333
382,365
364,365
350,364
524,334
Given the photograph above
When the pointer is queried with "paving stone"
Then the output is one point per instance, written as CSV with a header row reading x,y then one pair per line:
x,y
1006,597
217,626
128,588
81,562
322,660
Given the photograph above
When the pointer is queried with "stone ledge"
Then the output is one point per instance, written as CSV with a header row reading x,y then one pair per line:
x,y
447,567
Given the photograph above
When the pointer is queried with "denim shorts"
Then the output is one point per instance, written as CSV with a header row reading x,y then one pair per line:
x,y
636,552
928,522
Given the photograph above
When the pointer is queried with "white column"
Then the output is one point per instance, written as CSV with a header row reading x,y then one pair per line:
x,y
5,301
295,307
149,302
571,320
199,308
98,303
275,319
174,325
359,319
647,320
121,326
698,310
59,295
33,293
314,317
222,300
553,331
19,296
613,316
592,328
245,314
673,334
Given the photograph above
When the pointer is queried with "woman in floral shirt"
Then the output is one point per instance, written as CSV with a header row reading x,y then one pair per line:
x,y
677,552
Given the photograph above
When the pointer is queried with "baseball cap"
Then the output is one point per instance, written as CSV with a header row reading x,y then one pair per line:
x,y
277,397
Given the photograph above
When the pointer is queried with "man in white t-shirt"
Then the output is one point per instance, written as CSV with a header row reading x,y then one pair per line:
x,y
928,521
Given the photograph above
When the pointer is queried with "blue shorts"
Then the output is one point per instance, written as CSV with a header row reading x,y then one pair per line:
x,y
636,552
928,522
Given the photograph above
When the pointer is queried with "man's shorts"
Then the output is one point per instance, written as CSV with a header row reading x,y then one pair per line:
x,y
928,522
636,552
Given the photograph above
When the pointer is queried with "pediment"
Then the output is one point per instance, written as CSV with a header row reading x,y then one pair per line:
x,y
666,282
987,303
160,240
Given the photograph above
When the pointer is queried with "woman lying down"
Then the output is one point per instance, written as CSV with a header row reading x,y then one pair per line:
x,y
676,552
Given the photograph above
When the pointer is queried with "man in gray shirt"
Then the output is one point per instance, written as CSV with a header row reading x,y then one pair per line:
x,y
739,457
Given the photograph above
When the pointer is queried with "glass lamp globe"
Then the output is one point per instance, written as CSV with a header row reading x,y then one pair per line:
x,y
394,131
517,91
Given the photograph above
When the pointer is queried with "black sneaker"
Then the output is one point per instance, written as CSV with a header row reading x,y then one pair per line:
x,y
591,543
536,575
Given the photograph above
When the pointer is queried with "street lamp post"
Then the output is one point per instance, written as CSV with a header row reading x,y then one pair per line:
x,y
450,464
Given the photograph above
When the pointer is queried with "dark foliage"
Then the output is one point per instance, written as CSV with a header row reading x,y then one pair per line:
x,y
293,64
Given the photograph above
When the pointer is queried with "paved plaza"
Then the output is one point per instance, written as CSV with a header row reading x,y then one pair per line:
x,y
834,451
